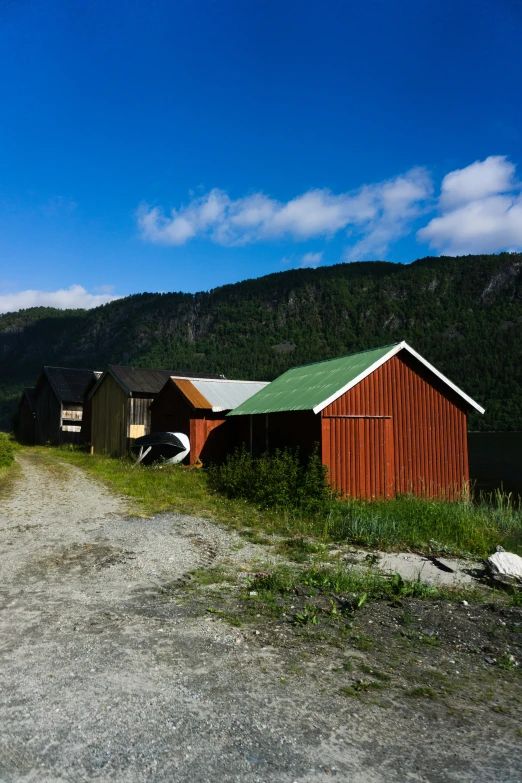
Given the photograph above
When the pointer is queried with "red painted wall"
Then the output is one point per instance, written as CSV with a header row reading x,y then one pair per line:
x,y
400,430
207,431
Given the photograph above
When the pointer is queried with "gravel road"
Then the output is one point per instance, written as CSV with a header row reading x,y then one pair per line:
x,y
102,679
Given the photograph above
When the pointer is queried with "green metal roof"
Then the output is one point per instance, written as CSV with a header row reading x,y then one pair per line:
x,y
304,388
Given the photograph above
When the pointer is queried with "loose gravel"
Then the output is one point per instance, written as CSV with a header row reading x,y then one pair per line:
x,y
103,678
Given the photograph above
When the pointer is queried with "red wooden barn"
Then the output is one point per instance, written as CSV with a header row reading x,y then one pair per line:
x,y
198,407
386,421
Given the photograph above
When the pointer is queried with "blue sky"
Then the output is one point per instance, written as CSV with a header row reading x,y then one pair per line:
x,y
158,146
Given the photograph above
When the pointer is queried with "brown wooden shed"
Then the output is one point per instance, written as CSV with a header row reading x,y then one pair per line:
x,y
60,404
120,406
23,420
198,408
386,422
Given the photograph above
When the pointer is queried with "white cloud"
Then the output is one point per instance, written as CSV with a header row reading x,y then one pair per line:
x,y
199,216
480,210
479,180
65,298
311,260
398,203
378,213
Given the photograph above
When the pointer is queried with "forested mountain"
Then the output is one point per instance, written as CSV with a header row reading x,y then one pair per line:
x,y
463,314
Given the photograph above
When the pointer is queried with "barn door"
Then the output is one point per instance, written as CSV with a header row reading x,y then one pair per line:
x,y
358,451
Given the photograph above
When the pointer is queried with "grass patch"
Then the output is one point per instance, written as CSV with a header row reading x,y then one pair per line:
x,y
8,478
361,686
6,450
351,587
437,526
210,576
276,507
423,692
153,491
300,549
378,675
9,469
301,495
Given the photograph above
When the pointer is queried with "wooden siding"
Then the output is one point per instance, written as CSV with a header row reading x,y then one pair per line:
x,y
139,418
208,437
170,412
49,419
208,432
109,418
86,432
24,423
266,432
359,454
423,449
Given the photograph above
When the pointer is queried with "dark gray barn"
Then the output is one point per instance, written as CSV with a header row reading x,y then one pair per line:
x,y
23,420
60,396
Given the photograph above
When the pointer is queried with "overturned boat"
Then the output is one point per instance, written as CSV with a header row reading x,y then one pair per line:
x,y
168,448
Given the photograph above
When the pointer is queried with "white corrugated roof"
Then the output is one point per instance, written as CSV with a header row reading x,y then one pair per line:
x,y
224,395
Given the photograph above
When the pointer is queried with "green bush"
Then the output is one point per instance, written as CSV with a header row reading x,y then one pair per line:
x,y
277,480
6,451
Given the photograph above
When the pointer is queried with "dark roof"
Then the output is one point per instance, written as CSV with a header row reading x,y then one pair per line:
x,y
68,383
139,380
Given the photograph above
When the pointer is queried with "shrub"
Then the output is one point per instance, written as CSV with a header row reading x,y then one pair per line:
x,y
6,451
279,480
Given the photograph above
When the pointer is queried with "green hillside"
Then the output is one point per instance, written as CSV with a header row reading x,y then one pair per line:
x,y
463,314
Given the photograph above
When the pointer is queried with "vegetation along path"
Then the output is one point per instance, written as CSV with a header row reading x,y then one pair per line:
x,y
168,648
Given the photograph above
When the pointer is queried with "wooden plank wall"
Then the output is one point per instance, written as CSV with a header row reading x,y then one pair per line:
x,y
138,416
170,411
24,423
427,445
109,418
208,437
299,430
48,416
359,454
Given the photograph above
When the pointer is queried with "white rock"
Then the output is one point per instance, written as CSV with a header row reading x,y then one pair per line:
x,y
506,564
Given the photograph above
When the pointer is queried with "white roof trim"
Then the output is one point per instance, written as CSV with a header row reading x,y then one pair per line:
x,y
396,348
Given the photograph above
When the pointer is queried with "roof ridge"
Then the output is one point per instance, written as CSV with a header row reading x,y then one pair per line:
x,y
131,367
215,380
56,367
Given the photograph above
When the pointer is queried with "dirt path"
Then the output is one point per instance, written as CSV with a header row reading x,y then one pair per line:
x,y
102,678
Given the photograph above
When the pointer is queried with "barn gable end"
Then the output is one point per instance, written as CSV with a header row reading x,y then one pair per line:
x,y
59,400
400,430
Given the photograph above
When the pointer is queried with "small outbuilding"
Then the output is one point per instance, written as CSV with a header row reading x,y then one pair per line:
x,y
198,408
23,420
385,420
61,414
120,406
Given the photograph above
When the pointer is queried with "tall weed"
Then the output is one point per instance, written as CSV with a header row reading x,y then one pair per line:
x,y
436,525
6,451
